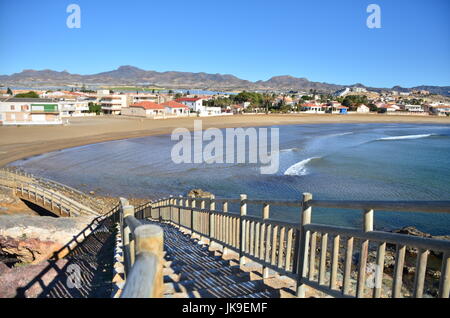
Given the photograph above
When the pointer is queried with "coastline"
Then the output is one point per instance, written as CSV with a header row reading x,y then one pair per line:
x,y
23,142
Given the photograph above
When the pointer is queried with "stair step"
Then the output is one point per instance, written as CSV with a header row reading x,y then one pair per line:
x,y
205,282
179,245
191,260
265,294
188,251
213,272
230,291
194,267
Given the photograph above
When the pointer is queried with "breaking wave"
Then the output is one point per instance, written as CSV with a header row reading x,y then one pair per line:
x,y
299,169
289,150
407,137
340,134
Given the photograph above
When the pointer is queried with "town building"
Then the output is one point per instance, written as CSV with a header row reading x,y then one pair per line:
x,y
144,109
363,109
73,108
29,111
145,97
195,104
440,109
173,108
389,108
313,108
414,108
113,104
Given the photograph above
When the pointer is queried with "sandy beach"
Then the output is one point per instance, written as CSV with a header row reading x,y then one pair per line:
x,y
25,141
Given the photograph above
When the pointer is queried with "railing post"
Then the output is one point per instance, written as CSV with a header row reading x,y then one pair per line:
x,y
193,219
212,207
150,239
266,215
305,218
241,229
367,227
171,209
128,240
444,284
222,226
201,221
179,203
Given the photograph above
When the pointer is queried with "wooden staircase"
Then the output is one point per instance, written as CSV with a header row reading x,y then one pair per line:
x,y
193,270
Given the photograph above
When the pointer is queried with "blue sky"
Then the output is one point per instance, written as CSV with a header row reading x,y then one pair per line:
x,y
322,40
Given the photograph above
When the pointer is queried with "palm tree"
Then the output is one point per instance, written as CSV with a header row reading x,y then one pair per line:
x,y
268,100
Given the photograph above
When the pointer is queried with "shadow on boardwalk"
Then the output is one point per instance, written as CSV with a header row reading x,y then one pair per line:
x,y
86,271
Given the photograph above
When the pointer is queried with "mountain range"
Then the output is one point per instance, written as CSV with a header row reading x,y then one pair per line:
x,y
130,75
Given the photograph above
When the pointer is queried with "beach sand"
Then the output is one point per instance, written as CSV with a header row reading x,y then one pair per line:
x,y
25,141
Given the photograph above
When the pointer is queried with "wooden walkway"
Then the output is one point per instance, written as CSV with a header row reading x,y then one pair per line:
x,y
179,247
192,270
58,199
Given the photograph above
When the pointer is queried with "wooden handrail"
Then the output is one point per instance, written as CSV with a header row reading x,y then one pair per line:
x,y
398,206
21,177
72,207
291,248
143,255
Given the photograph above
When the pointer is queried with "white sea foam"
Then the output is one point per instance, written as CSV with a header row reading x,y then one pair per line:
x,y
289,150
340,134
406,137
299,169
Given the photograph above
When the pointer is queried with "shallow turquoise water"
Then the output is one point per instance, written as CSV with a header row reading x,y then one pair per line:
x,y
340,161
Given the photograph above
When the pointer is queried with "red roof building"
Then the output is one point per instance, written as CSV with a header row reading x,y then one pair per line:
x,y
174,104
148,105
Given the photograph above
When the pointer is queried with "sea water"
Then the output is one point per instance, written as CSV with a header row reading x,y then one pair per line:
x,y
332,161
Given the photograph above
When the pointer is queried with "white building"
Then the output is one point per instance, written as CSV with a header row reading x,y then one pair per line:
x,y
144,97
73,108
29,111
195,104
211,111
313,108
173,108
440,109
113,104
414,108
363,109
144,109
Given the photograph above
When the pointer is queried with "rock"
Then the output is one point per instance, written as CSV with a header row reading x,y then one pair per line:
x,y
442,237
389,260
28,250
410,269
33,239
92,192
411,230
199,193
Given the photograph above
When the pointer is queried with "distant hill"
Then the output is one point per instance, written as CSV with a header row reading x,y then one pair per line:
x,y
130,75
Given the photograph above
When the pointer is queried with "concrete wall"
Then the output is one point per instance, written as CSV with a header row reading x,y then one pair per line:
x,y
134,111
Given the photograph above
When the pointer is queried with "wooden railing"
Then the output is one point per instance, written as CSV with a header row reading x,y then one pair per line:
x,y
143,255
15,176
51,201
308,252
